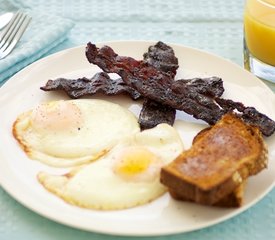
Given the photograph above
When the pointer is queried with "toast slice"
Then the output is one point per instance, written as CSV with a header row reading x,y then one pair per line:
x,y
220,160
233,199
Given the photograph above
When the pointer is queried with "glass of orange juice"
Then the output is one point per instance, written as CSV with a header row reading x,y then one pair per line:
x,y
259,39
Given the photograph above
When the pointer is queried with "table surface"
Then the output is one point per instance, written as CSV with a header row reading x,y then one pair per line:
x,y
212,25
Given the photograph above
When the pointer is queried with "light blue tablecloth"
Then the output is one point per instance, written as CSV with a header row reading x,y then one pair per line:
x,y
44,33
212,25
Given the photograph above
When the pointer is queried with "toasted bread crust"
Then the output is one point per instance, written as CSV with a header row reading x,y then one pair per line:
x,y
233,199
218,162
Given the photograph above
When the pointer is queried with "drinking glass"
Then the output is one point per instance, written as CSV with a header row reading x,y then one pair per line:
x,y
259,39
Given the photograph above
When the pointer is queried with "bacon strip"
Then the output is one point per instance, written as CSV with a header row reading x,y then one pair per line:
x,y
99,83
158,86
163,58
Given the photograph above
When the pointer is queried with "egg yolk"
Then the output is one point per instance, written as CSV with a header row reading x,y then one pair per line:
x,y
137,163
56,116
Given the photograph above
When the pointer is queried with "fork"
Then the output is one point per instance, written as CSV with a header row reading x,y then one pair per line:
x,y
12,33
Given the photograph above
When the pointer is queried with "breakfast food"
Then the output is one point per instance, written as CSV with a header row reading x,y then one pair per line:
x,y
162,57
233,199
218,162
125,177
68,133
153,113
153,84
129,162
160,87
99,83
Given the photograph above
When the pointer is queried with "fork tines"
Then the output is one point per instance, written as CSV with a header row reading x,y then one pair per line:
x,y
13,32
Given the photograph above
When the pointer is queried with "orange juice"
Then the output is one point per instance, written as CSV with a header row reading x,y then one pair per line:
x,y
259,25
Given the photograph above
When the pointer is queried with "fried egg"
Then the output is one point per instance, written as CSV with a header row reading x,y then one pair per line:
x,y
126,177
72,132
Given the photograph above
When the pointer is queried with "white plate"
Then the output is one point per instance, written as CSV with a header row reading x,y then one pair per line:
x,y
163,216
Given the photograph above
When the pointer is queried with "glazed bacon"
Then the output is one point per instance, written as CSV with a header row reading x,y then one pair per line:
x,y
99,83
250,115
154,84
211,86
158,86
154,113
162,57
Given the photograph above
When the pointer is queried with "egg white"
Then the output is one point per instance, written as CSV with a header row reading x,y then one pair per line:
x,y
98,186
72,132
